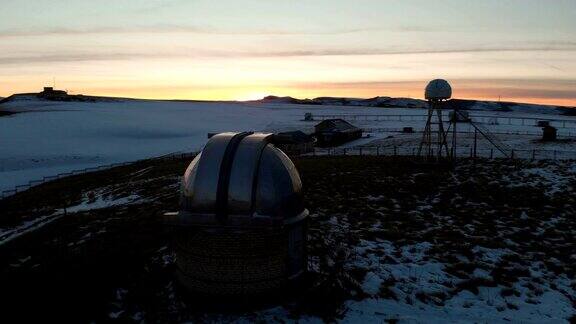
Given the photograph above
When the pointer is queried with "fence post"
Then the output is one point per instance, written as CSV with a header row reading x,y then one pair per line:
x,y
344,151
360,151
395,150
491,154
475,141
377,150
512,156
533,154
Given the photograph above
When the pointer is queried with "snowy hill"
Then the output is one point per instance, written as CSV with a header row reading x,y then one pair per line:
x,y
380,102
389,102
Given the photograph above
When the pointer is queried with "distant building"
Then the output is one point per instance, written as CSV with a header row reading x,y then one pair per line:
x,y
549,133
51,94
333,132
294,143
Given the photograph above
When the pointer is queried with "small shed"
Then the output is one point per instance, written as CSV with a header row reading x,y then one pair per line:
x,y
333,132
294,143
549,133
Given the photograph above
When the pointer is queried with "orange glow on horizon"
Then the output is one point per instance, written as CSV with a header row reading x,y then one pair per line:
x,y
302,91
256,94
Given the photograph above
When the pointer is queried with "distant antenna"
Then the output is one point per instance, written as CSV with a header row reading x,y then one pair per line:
x,y
434,141
54,82
434,138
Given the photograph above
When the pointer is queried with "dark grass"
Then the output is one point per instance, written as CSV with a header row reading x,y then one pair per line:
x,y
75,268
49,196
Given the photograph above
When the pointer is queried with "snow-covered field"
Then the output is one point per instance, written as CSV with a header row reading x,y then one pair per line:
x,y
48,137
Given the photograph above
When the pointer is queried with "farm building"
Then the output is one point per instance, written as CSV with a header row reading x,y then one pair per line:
x,y
332,132
294,143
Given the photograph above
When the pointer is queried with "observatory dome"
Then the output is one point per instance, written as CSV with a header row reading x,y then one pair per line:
x,y
241,175
438,90
242,225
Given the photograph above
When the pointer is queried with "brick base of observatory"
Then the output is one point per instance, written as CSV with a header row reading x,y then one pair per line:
x,y
239,262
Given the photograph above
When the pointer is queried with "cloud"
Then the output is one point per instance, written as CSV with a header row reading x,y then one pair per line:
x,y
64,57
65,31
170,28
177,28
200,53
366,52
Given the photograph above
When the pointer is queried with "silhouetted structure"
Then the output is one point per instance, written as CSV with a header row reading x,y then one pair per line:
x,y
434,139
333,132
51,94
549,133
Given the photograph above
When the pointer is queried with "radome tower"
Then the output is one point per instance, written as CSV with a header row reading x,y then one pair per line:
x,y
434,142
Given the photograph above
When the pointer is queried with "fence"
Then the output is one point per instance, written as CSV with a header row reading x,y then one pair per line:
x,y
460,152
364,150
498,132
32,183
477,118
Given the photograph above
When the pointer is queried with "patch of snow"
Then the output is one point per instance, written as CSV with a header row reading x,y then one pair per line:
x,y
102,202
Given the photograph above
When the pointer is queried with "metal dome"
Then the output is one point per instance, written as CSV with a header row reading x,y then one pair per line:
x,y
438,90
240,179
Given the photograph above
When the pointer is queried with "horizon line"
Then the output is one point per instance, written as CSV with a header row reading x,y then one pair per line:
x,y
292,97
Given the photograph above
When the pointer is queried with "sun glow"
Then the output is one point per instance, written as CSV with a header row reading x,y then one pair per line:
x,y
252,96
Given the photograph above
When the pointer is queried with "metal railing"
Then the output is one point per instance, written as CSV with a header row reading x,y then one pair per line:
x,y
477,118
495,132
464,152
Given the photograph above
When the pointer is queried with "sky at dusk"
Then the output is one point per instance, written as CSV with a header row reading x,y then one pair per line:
x,y
519,50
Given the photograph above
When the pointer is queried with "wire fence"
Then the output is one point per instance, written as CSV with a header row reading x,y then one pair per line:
x,y
380,150
496,132
412,151
32,183
477,118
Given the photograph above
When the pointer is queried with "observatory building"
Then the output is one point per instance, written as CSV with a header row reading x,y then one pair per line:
x,y
241,229
51,94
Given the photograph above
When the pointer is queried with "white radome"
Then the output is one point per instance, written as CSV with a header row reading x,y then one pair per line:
x,y
438,90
